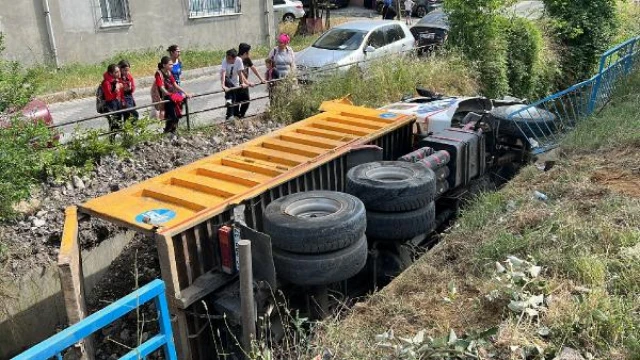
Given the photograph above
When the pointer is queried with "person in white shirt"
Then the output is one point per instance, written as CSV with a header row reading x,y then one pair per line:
x,y
232,76
408,6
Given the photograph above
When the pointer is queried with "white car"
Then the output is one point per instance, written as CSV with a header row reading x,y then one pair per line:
x,y
288,10
356,42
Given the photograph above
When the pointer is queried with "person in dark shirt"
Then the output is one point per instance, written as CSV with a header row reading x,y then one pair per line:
x,y
243,94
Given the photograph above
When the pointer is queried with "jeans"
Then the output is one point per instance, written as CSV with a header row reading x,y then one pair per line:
x,y
171,118
115,121
233,96
129,102
241,96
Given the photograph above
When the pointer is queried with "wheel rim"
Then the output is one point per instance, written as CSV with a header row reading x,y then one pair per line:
x,y
288,18
312,208
390,174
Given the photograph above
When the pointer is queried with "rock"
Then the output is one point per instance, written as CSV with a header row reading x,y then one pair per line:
x,y
68,186
114,187
78,183
37,222
41,213
568,353
125,335
27,207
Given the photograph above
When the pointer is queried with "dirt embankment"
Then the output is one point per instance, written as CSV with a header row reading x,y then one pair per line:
x,y
33,240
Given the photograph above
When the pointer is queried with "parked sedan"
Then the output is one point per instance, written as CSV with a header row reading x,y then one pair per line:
x,y
288,10
431,31
353,43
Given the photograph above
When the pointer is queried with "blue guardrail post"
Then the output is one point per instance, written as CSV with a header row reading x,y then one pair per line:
x,y
54,346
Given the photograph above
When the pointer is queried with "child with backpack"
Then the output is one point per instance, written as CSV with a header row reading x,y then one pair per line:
x,y
110,97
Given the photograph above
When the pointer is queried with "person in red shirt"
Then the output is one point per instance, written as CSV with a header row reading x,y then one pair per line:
x,y
129,87
113,96
171,91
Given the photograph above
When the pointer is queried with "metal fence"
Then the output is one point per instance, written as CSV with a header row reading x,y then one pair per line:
x,y
313,74
545,122
54,346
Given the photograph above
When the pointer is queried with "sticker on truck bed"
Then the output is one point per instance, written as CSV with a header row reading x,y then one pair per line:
x,y
156,216
388,115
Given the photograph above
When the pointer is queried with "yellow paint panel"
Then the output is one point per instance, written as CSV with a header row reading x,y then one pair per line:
x,y
328,134
311,140
293,148
206,187
227,173
275,156
366,124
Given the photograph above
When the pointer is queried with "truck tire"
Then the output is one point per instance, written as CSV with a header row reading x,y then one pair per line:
x,y
391,186
531,123
321,269
401,225
315,222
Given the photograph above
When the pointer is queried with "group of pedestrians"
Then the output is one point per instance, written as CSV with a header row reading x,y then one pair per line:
x,y
118,85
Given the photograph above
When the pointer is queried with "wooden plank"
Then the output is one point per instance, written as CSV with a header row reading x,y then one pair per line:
x,y
72,279
169,272
203,286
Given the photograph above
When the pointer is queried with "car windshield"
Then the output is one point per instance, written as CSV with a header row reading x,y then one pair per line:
x,y
340,39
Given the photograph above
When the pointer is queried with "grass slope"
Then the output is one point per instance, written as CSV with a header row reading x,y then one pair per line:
x,y
586,238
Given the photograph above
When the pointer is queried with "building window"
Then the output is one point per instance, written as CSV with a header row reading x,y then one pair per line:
x,y
115,12
203,8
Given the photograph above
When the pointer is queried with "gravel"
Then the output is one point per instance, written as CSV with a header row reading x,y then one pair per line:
x,y
34,238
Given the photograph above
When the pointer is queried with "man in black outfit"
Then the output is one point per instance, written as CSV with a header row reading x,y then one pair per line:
x,y
243,94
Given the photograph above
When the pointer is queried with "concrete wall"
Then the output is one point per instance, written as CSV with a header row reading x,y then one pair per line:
x,y
80,36
32,307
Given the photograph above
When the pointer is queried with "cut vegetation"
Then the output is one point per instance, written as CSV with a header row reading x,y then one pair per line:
x,y
522,278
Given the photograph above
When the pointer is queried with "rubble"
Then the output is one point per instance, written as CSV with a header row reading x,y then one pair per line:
x,y
34,238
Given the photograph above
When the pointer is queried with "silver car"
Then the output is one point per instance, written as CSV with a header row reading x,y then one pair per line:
x,y
288,10
353,43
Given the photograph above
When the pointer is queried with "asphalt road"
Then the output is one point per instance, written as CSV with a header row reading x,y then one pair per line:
x,y
70,111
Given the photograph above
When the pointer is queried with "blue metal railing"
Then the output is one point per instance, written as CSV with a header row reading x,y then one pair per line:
x,y
54,346
562,111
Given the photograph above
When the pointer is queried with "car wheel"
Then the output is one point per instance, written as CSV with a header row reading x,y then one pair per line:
x,y
421,11
401,225
392,185
315,221
321,269
288,18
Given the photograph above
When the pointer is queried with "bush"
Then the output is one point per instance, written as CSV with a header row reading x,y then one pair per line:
x,y
384,81
21,165
16,85
476,31
524,52
585,30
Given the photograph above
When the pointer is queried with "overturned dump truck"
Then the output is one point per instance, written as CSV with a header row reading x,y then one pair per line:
x,y
287,193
